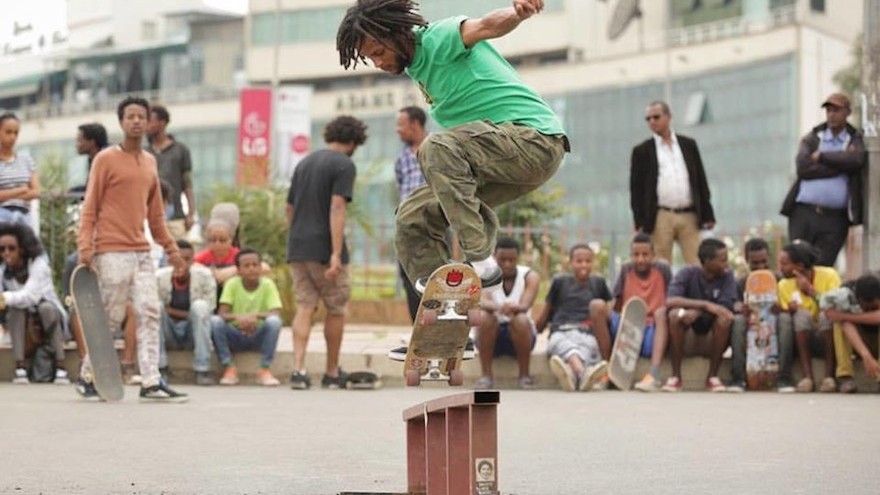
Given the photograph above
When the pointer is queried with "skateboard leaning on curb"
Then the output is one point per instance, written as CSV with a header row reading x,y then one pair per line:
x,y
762,347
86,295
628,344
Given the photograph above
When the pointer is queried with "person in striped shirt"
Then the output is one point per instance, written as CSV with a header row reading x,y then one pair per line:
x,y
19,183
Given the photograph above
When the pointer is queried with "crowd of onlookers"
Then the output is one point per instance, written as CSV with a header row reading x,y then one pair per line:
x,y
218,299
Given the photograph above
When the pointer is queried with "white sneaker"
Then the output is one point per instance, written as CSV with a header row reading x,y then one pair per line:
x,y
20,377
489,272
563,373
61,377
592,375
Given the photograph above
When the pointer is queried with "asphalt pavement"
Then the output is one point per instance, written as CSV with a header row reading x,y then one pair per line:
x,y
250,440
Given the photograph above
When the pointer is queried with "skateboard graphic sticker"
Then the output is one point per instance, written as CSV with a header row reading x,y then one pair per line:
x,y
449,307
628,344
86,295
762,348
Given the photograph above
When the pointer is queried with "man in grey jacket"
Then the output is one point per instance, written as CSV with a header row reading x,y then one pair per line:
x,y
827,198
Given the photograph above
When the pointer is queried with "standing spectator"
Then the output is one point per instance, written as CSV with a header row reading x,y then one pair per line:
x,y
188,301
803,282
90,139
507,328
411,130
321,187
648,278
502,140
19,183
576,309
757,254
701,298
175,167
122,193
28,292
669,193
249,319
826,198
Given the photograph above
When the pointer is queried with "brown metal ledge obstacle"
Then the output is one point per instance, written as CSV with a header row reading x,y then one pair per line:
x,y
452,445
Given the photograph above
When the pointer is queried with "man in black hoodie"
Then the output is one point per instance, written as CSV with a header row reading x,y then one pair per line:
x,y
826,198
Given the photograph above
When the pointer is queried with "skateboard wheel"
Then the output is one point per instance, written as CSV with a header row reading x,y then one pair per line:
x,y
474,317
413,379
456,378
429,317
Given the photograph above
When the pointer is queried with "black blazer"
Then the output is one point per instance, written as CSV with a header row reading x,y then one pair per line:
x,y
643,183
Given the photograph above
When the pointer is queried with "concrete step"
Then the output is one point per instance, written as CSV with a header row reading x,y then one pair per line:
x,y
365,348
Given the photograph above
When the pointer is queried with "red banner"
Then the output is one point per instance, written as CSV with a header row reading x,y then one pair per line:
x,y
254,130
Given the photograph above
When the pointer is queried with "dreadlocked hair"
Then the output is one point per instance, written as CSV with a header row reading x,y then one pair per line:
x,y
380,19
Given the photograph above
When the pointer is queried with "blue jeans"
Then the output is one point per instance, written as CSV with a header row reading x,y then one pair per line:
x,y
192,333
229,339
647,341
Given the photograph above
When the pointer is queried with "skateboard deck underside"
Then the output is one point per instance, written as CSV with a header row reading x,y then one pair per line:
x,y
436,348
762,348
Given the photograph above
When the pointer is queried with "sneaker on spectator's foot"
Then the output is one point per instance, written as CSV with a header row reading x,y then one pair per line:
x,y
563,373
736,387
230,376
20,377
61,377
86,390
848,385
484,383
398,353
162,393
593,375
673,384
828,385
785,387
525,383
469,350
334,382
714,384
805,385
130,375
204,378
603,383
266,379
648,384
299,380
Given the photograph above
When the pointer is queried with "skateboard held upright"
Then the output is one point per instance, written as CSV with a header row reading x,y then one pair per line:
x,y
762,349
449,307
96,330
628,344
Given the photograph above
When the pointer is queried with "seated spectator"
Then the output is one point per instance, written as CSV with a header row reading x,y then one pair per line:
x,y
576,309
19,181
757,254
249,318
860,324
647,277
219,254
507,328
188,302
802,284
701,299
28,292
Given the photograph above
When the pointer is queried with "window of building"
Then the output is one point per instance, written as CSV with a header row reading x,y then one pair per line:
x,y
149,32
817,6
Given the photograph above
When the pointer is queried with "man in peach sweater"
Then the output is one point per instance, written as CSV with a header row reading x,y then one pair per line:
x,y
123,192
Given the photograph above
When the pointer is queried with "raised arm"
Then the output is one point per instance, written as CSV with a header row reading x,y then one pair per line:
x,y
499,22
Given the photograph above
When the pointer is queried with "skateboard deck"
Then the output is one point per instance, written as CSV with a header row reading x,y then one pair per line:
x,y
363,380
96,330
449,307
762,349
628,344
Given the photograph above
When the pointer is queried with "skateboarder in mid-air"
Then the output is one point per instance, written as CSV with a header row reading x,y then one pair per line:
x,y
123,191
501,141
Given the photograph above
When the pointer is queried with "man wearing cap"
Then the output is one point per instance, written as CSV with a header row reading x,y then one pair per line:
x,y
826,198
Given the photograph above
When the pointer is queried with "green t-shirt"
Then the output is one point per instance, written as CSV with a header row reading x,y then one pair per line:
x,y
472,84
242,301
